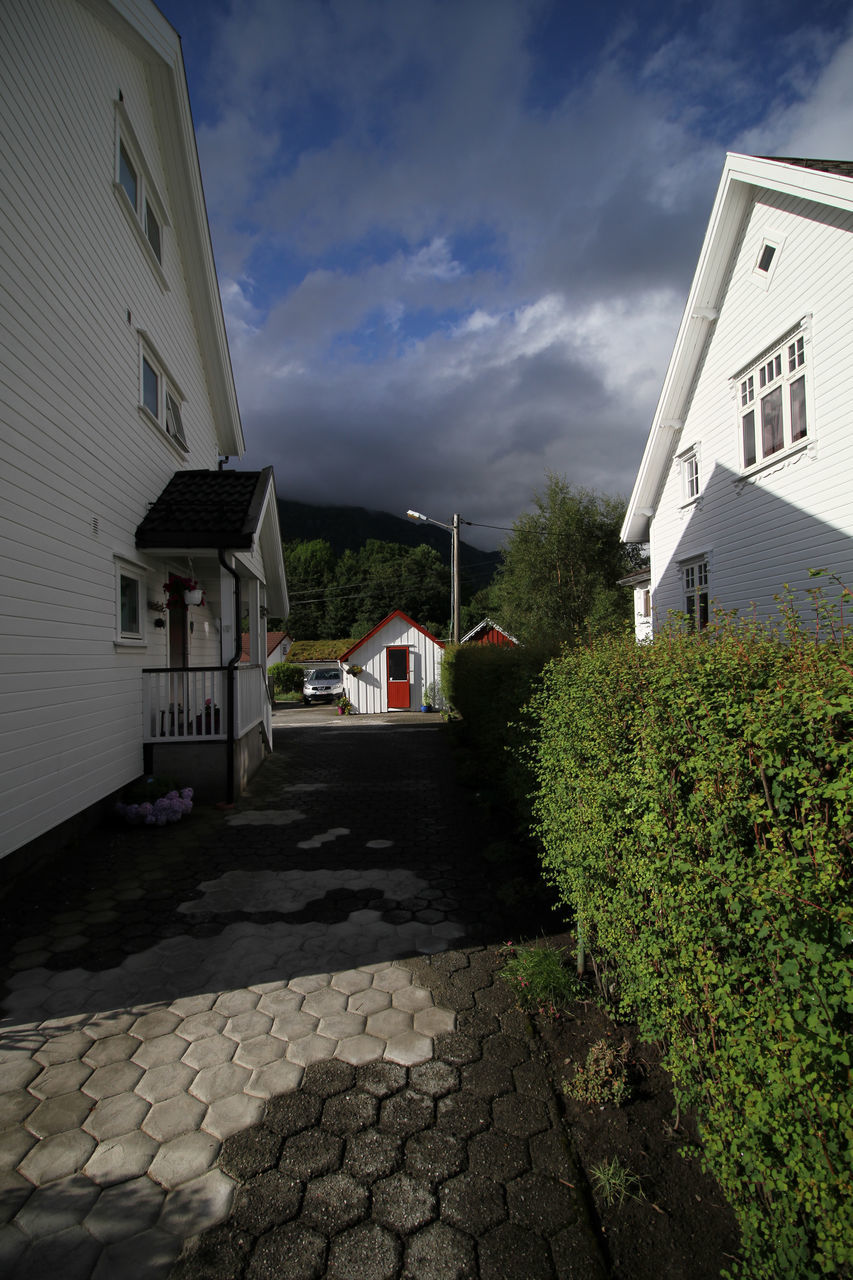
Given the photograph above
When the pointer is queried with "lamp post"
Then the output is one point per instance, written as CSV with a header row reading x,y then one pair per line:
x,y
453,529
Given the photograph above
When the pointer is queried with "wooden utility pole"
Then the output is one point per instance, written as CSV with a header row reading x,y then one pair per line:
x,y
456,579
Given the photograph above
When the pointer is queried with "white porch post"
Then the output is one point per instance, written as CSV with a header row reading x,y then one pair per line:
x,y
229,622
257,651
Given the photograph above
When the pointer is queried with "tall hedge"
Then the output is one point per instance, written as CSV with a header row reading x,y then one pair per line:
x,y
694,800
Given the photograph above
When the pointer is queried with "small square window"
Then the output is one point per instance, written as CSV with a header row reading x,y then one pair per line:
x,y
767,255
130,597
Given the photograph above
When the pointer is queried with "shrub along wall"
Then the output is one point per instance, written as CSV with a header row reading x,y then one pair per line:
x,y
695,806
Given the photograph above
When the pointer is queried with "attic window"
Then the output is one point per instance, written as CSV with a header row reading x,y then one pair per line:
x,y
767,255
137,193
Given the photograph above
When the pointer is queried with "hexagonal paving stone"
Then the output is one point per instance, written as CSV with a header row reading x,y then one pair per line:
x,y
196,1026
109,1049
412,998
280,1076
110,1117
174,1116
259,1051
231,1114
324,1001
360,1049
111,1023
369,1001
340,1026
543,1204
435,1078
472,1204
509,1252
63,1048
334,1202
16,1105
159,1022
186,1006
292,1114
434,1156
152,1249
241,1000
58,1114
366,1249
406,1113
184,1158
248,1025
351,980
198,1204
439,1252
160,1050
57,1157
389,1023
488,1079
71,1252
289,1250
463,1114
276,1003
409,1048
122,1158
293,1026
118,1077
403,1203
434,1022
311,1153
209,1052
348,1113
520,1115
125,1210
17,1071
391,978
311,1049
159,1083
497,1155
213,1083
57,1206
65,1077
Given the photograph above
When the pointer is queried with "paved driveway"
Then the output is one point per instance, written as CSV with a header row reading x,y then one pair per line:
x,y
272,1038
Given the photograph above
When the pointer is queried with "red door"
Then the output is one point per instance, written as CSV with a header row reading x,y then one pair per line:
x,y
397,658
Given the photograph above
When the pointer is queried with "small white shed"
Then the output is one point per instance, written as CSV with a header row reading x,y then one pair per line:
x,y
398,660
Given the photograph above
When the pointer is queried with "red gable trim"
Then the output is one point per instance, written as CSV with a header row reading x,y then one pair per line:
x,y
398,613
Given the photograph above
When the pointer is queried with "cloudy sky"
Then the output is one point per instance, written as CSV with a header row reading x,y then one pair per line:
x,y
455,237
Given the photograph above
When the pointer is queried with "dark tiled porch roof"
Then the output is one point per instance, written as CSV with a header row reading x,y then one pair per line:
x,y
206,509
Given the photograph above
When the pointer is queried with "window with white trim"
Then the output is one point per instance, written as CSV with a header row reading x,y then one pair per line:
x,y
696,597
137,191
690,475
159,398
772,399
130,603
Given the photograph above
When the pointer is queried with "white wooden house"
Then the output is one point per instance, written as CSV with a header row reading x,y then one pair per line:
x,y
117,403
398,661
746,477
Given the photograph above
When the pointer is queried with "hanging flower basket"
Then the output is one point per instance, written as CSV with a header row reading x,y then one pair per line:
x,y
182,592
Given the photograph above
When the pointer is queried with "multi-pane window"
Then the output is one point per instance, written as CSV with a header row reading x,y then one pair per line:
x,y
690,475
772,402
160,399
134,181
696,594
130,618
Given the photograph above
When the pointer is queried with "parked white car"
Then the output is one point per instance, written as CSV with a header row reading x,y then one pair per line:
x,y
322,684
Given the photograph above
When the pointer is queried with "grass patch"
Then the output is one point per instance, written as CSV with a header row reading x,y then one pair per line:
x,y
613,1183
605,1078
541,981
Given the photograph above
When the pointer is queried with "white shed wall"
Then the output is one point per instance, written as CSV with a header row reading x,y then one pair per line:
x,y
80,462
368,692
768,530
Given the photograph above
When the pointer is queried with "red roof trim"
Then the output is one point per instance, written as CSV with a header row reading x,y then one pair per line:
x,y
398,613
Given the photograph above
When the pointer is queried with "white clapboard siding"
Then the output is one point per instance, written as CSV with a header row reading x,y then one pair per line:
x,y
81,463
769,530
368,692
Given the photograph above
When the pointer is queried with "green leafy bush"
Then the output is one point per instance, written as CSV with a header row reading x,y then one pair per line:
x,y
286,677
694,799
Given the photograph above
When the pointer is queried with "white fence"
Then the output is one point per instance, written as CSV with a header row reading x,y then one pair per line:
x,y
191,703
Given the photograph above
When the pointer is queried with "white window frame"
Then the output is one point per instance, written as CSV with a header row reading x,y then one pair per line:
x,y
774,240
691,486
126,570
168,417
696,587
147,197
773,375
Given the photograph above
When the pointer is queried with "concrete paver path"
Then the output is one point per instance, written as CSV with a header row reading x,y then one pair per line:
x,y
271,1041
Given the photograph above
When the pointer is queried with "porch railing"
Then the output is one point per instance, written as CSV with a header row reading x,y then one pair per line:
x,y
191,703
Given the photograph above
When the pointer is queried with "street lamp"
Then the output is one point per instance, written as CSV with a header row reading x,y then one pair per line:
x,y
453,529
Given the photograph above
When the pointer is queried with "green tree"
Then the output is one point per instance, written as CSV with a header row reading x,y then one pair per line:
x,y
310,568
558,581
383,576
